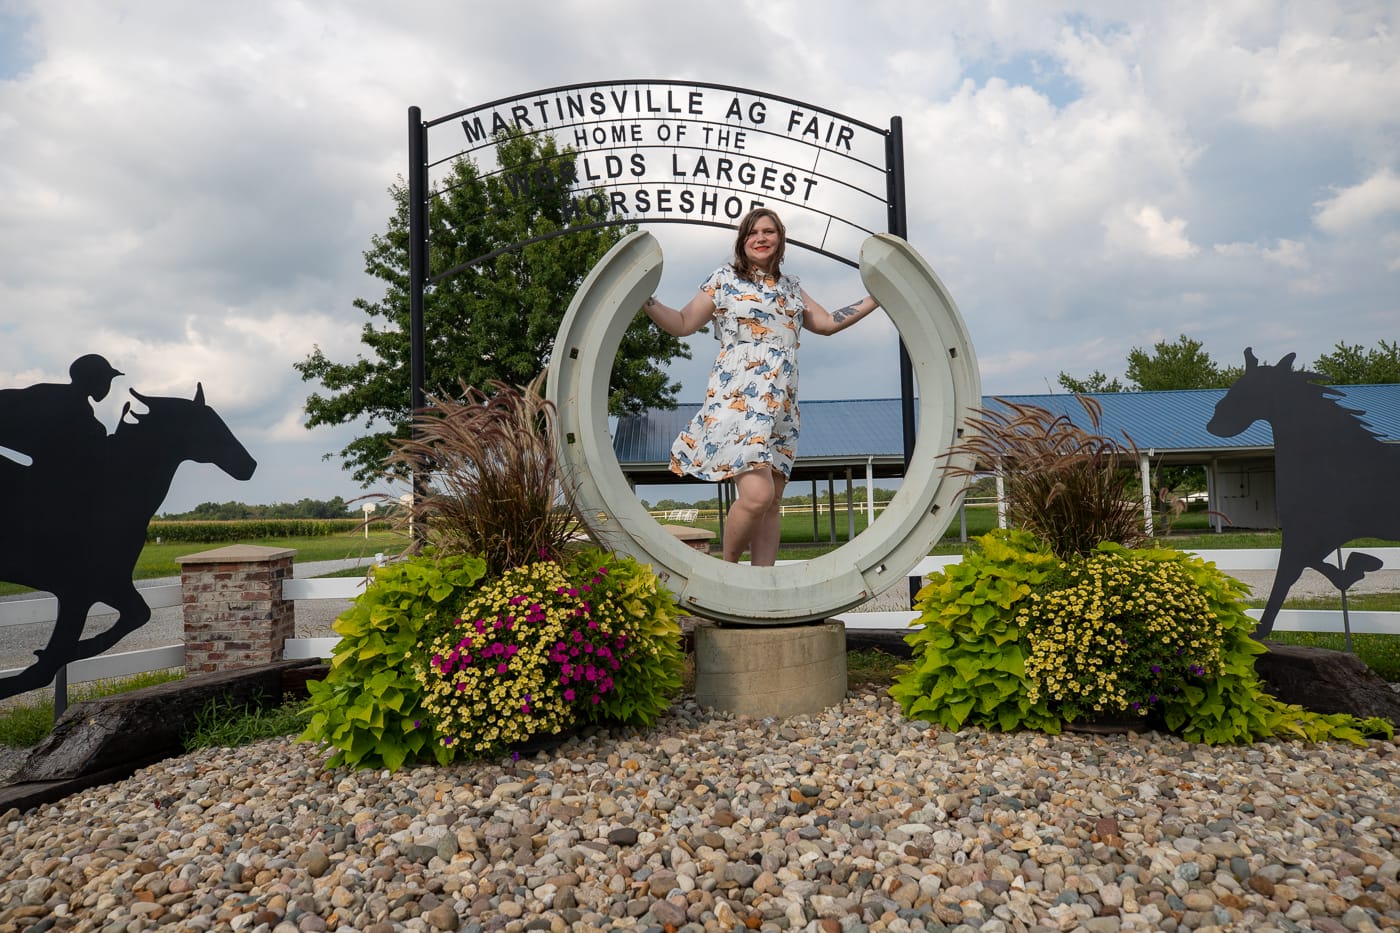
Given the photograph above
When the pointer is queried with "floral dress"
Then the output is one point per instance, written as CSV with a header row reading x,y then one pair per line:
x,y
749,418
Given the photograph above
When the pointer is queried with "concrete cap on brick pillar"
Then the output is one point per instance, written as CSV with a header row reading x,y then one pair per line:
x,y
236,554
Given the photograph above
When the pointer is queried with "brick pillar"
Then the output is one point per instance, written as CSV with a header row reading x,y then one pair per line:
x,y
235,615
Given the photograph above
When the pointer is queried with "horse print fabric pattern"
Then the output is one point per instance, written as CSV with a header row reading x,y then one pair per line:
x,y
750,415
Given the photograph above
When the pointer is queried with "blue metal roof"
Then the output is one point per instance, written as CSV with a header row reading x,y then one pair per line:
x,y
1164,421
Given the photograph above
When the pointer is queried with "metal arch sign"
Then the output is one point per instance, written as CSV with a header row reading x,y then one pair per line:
x,y
927,319
663,151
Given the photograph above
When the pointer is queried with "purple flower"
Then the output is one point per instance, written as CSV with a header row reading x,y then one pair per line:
x,y
502,668
1156,669
569,695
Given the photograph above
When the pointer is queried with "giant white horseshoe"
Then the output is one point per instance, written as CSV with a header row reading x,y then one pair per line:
x,y
946,373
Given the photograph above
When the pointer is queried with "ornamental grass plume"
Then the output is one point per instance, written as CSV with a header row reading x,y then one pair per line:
x,y
494,488
1072,488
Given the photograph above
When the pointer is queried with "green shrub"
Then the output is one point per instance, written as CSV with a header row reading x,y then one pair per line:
x,y
545,647
968,664
369,707
1013,637
1121,632
628,600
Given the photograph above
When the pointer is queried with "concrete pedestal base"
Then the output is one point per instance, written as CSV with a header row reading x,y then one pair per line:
x,y
767,671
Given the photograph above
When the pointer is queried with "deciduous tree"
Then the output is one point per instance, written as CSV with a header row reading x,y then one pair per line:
x,y
495,320
1356,365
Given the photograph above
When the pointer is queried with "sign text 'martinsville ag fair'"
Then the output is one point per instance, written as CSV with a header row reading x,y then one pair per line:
x,y
689,153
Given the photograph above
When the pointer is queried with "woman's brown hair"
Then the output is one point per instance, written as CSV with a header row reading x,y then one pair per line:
x,y
741,260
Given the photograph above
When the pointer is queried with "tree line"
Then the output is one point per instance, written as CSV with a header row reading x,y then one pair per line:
x,y
1184,364
239,511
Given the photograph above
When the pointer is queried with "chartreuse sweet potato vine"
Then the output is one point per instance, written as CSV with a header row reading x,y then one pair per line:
x,y
369,706
1014,637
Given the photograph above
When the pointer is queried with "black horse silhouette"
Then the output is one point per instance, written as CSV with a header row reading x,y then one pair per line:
x,y
78,531
1334,478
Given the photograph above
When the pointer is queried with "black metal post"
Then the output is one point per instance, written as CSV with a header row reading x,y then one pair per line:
x,y
899,226
417,277
60,693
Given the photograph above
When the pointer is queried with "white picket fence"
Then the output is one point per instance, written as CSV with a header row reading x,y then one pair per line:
x,y
43,610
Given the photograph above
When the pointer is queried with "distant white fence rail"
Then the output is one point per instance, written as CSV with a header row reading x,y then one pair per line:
x,y
43,610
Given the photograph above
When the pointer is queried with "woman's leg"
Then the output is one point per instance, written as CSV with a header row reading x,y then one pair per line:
x,y
750,508
764,546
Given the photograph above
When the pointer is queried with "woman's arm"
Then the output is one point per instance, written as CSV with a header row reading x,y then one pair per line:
x,y
818,320
685,321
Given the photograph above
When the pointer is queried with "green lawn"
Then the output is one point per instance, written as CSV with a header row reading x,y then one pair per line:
x,y
158,560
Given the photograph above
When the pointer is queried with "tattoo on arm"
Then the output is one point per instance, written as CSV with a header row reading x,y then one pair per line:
x,y
843,313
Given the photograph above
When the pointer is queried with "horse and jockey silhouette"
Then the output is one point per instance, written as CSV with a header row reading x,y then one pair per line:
x,y
1318,446
81,507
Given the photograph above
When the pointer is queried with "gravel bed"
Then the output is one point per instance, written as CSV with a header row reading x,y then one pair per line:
x,y
855,819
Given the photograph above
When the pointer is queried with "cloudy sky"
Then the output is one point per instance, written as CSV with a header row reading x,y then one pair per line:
x,y
188,188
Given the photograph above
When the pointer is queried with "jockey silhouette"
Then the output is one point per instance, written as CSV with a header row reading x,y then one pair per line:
x,y
53,423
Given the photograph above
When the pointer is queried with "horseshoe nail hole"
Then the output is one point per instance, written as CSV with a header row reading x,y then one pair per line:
x,y
960,432
934,510
570,436
573,353
953,352
880,569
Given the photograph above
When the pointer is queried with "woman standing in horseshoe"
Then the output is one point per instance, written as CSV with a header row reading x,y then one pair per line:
x,y
747,428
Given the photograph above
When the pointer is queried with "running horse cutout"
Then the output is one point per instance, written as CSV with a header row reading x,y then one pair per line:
x,y
1335,480
77,526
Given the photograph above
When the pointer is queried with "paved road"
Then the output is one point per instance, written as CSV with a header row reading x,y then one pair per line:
x,y
166,627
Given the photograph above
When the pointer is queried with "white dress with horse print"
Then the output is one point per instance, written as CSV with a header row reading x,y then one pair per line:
x,y
749,418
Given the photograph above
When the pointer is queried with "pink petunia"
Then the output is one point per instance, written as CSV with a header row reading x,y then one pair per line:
x,y
502,668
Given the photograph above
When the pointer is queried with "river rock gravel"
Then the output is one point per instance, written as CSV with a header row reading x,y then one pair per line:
x,y
854,819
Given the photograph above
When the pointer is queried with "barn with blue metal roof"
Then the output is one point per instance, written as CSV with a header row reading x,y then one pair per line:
x,y
862,438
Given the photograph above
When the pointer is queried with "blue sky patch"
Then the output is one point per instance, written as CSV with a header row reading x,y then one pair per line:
x,y
1041,72
17,53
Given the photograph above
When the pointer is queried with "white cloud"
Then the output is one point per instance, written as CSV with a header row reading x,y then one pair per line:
x,y
1360,204
190,187
1143,229
1291,254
